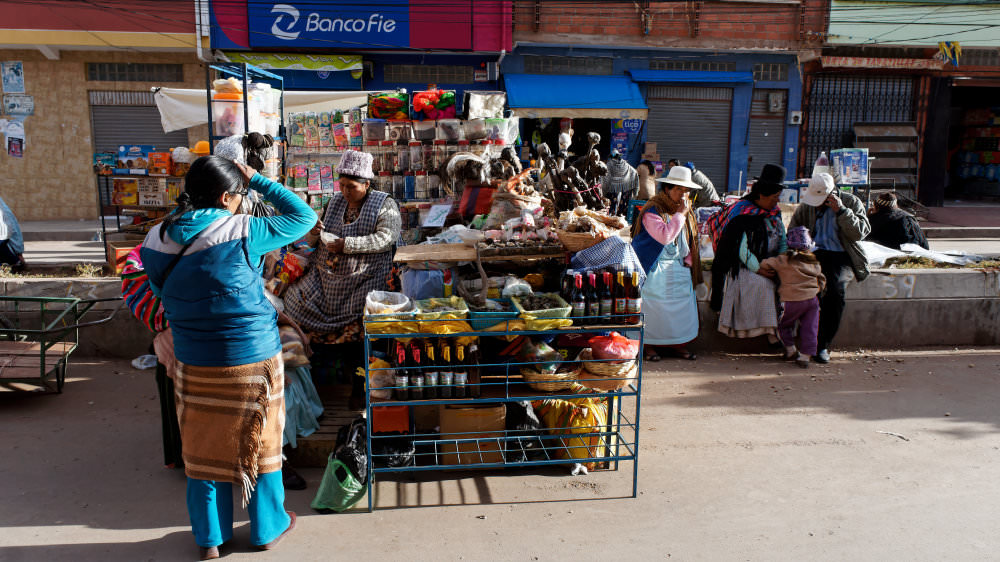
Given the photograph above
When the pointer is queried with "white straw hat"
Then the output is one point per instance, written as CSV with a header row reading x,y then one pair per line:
x,y
679,175
820,186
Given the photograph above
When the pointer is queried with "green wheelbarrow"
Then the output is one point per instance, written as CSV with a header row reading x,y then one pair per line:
x,y
37,336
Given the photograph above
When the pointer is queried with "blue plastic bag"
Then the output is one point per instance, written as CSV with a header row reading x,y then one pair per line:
x,y
419,284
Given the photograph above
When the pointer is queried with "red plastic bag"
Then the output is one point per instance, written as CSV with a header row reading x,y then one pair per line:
x,y
614,346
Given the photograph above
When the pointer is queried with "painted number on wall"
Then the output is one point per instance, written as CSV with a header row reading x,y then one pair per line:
x,y
899,286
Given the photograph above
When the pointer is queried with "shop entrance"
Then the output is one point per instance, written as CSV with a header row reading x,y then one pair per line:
x,y
130,118
548,131
974,143
692,124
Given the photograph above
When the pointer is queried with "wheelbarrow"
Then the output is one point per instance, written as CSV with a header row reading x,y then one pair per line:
x,y
38,335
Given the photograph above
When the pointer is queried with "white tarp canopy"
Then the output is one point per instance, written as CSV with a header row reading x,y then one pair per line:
x,y
183,108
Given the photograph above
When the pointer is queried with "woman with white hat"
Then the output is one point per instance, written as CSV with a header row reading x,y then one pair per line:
x,y
744,234
665,237
354,247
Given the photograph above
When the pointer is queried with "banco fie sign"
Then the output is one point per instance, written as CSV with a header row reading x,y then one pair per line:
x,y
371,24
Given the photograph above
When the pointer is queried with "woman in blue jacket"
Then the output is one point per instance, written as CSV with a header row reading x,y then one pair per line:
x,y
204,262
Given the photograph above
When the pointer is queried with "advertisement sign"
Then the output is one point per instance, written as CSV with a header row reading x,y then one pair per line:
x,y
297,23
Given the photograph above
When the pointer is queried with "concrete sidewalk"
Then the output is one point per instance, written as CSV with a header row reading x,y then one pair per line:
x,y
872,458
963,219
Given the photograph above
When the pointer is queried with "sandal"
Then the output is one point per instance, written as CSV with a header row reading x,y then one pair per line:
x,y
651,355
681,354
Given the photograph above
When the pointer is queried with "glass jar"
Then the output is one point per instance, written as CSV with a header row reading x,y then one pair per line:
x,y
440,154
372,147
416,156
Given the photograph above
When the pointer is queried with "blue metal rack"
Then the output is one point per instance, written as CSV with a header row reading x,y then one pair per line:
x,y
619,438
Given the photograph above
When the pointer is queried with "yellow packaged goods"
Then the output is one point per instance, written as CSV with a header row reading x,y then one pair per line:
x,y
577,416
543,311
451,308
469,422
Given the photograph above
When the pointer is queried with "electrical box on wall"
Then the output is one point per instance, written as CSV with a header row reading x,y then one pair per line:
x,y
795,118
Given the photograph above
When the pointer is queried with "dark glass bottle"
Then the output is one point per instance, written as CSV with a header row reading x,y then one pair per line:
x,y
416,373
578,299
446,376
607,301
401,391
634,298
621,297
430,373
461,372
593,299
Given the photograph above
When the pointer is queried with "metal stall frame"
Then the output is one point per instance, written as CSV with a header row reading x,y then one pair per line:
x,y
619,437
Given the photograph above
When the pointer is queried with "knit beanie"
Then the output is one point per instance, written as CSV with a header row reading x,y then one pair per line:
x,y
357,164
885,201
799,239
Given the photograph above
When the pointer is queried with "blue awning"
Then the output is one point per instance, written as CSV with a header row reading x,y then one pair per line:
x,y
573,96
691,76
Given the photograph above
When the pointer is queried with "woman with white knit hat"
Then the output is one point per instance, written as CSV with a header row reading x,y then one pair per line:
x,y
354,247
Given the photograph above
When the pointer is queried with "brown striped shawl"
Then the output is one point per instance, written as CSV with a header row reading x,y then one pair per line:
x,y
231,421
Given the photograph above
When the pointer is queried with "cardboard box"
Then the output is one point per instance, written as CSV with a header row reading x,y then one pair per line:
x,y
651,147
651,156
472,422
133,159
151,185
152,199
118,251
159,164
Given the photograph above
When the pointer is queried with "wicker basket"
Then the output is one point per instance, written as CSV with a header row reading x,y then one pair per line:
x,y
606,376
578,241
549,382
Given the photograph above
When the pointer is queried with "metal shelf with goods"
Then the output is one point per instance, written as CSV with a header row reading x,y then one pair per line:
x,y
495,385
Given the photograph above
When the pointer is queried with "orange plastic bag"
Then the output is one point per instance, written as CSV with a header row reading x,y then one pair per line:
x,y
614,346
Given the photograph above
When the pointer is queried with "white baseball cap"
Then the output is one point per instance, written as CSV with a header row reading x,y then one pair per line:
x,y
820,187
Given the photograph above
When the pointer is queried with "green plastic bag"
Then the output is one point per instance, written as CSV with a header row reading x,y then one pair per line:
x,y
339,490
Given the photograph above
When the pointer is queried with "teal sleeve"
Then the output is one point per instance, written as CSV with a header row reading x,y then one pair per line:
x,y
294,221
747,257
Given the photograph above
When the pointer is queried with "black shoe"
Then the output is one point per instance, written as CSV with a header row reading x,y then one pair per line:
x,y
822,357
291,479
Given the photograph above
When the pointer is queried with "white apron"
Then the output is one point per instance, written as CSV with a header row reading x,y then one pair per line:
x,y
668,302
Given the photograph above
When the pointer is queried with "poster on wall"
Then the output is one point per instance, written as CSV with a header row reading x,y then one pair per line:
x,y
13,76
18,104
15,139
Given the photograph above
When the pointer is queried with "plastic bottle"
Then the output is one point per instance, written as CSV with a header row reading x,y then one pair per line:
x,y
822,165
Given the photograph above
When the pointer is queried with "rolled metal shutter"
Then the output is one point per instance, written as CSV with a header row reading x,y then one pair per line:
x,y
766,138
119,118
692,124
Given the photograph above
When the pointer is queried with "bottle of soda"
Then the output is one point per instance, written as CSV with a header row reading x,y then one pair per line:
x,y
402,377
416,373
621,297
430,373
593,299
578,300
446,375
461,371
634,298
607,301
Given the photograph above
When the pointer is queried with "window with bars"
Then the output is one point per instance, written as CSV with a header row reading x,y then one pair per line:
x,y
537,64
428,74
710,66
129,72
770,72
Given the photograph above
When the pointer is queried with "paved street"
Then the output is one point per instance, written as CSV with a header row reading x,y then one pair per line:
x,y
891,456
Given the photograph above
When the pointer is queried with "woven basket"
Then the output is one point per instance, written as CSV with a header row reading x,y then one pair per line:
x,y
578,241
549,382
606,376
